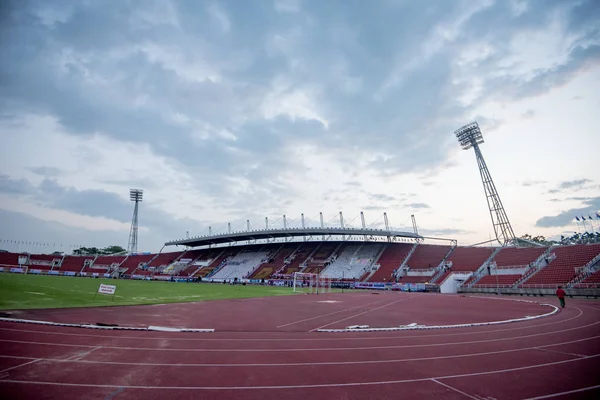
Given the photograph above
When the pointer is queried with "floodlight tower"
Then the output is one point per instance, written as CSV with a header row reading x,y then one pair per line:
x,y
469,136
135,195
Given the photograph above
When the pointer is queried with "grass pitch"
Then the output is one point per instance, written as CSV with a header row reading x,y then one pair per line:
x,y
20,292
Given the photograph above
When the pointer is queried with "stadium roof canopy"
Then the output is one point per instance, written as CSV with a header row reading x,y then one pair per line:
x,y
266,234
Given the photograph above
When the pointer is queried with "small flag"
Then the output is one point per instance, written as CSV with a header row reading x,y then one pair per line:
x,y
577,218
590,217
597,216
582,218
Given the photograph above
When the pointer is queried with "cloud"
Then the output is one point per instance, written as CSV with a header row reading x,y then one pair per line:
x,y
565,218
287,6
381,197
226,110
574,183
418,205
443,232
533,183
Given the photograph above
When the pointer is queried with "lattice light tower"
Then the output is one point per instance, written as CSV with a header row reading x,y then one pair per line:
x,y
135,195
469,136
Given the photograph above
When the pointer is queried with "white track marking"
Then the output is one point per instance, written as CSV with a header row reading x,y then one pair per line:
x,y
455,389
304,349
548,396
20,365
82,354
356,315
541,348
325,315
315,339
298,364
428,327
323,385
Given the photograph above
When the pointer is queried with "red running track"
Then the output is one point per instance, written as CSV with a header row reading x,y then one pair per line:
x,y
263,349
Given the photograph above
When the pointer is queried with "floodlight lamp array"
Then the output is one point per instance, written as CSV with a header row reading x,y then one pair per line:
x,y
136,195
469,135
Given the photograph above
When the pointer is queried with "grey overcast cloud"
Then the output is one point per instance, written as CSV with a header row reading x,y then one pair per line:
x,y
224,111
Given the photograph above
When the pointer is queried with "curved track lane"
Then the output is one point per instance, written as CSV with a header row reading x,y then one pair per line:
x,y
556,355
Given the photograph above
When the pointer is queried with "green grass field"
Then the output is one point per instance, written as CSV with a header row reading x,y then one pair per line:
x,y
19,292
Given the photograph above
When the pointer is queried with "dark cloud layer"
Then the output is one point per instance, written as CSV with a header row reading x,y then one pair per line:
x,y
88,67
565,218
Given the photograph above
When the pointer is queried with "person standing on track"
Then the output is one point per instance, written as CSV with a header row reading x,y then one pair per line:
x,y
560,293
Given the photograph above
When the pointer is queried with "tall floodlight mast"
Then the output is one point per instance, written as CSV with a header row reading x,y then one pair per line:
x,y
469,136
135,195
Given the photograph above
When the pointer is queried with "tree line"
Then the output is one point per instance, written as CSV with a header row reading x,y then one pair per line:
x,y
92,251
576,238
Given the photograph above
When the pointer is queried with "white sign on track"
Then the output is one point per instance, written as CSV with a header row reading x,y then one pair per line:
x,y
107,289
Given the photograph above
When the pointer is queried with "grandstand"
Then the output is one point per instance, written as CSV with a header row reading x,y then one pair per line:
x,y
450,268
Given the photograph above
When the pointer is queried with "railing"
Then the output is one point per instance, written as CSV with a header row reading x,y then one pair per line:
x,y
490,286
541,285
512,266
586,286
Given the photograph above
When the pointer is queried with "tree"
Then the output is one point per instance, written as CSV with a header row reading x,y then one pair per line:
x,y
89,251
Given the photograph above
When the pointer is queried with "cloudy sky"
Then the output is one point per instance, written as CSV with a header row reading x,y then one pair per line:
x,y
224,111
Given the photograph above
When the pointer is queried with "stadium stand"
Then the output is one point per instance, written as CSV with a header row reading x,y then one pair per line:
x,y
9,259
469,258
75,263
391,259
592,280
353,261
275,262
164,259
135,262
294,262
427,256
321,257
216,263
497,281
44,261
241,265
564,267
512,256
193,260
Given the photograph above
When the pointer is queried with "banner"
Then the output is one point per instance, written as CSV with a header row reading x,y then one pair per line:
x,y
107,289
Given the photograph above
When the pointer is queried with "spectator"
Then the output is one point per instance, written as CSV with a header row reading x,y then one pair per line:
x,y
560,293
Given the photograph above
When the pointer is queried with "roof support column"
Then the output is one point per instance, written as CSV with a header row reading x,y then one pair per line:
x,y
322,225
267,222
362,220
284,222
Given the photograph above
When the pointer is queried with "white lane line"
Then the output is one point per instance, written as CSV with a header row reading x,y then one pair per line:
x,y
315,339
356,315
455,389
298,364
540,348
250,350
325,315
322,385
20,365
549,396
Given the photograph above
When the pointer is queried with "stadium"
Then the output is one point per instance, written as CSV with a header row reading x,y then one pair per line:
x,y
318,311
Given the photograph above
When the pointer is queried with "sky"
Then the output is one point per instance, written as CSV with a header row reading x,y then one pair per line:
x,y
233,111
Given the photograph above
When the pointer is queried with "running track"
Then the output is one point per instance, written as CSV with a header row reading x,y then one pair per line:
x,y
277,356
